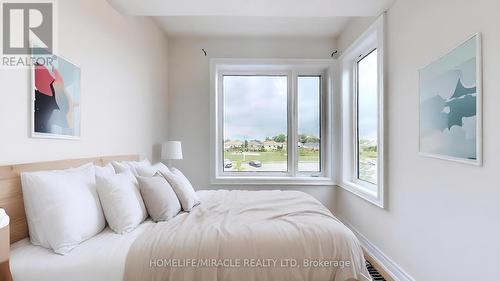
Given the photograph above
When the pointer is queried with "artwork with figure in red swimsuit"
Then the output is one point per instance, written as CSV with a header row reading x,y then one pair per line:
x,y
56,99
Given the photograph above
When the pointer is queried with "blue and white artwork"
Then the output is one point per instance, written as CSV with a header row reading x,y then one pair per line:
x,y
450,105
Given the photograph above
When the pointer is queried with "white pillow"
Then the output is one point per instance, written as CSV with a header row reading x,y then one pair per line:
x,y
121,201
151,170
62,207
160,199
182,187
105,171
121,167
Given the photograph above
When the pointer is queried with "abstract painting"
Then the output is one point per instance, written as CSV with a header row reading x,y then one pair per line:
x,y
55,98
450,105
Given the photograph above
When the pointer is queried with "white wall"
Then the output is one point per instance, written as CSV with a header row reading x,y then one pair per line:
x,y
442,221
354,28
124,87
189,93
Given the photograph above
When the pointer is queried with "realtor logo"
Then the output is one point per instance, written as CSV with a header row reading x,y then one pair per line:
x,y
26,24
27,32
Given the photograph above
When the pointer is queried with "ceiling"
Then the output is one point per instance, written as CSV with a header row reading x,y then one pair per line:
x,y
253,26
312,18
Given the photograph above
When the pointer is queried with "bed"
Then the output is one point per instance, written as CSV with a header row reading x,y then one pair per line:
x,y
101,258
231,235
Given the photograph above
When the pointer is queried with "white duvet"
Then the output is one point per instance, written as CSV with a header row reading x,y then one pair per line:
x,y
248,235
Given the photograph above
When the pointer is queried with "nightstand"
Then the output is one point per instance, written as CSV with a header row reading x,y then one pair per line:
x,y
5,274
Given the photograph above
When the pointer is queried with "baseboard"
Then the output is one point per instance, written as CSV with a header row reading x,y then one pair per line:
x,y
387,264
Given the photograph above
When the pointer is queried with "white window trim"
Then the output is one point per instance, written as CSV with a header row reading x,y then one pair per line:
x,y
292,68
372,38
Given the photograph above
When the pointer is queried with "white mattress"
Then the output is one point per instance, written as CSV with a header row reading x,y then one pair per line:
x,y
101,258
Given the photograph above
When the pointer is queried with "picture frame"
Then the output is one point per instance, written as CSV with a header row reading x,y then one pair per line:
x,y
57,113
460,140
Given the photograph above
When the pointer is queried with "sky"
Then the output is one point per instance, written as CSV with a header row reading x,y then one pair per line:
x,y
309,105
368,98
255,107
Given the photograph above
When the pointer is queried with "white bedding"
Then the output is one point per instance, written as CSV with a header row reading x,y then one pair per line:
x,y
249,236
101,258
227,224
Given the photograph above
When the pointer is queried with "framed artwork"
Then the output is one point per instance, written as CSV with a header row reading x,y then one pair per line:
x,y
451,105
55,97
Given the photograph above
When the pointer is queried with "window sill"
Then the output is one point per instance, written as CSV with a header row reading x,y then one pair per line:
x,y
364,193
249,180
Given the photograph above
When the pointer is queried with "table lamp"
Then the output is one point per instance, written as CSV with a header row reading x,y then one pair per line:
x,y
171,150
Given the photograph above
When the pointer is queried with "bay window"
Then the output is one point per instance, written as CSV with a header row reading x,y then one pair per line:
x,y
304,122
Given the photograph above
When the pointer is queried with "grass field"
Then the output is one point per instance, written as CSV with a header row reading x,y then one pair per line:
x,y
308,155
270,156
368,161
271,160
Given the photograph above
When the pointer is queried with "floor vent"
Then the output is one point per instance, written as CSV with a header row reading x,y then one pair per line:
x,y
374,273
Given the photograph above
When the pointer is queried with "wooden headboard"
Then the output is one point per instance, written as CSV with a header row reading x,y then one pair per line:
x,y
11,195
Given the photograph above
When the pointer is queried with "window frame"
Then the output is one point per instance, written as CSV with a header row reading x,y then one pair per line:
x,y
372,39
261,67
